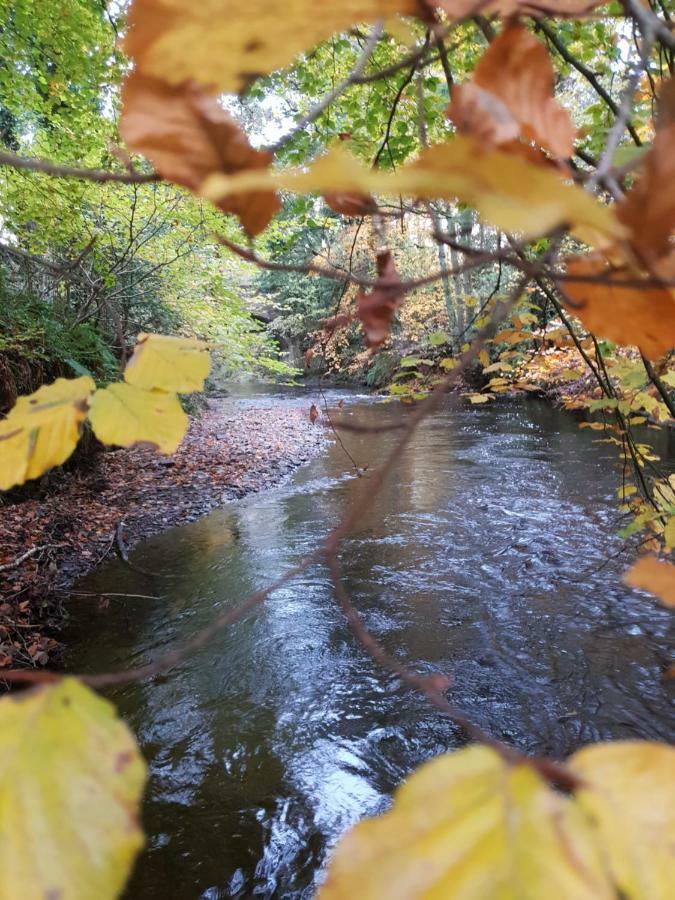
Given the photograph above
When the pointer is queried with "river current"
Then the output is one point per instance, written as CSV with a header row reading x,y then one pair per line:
x,y
492,556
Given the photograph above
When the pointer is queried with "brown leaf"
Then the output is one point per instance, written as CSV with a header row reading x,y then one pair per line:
x,y
376,310
313,413
632,315
351,204
511,95
653,575
334,322
309,356
648,210
188,135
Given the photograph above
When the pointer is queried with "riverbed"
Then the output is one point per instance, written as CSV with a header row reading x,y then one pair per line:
x,y
491,556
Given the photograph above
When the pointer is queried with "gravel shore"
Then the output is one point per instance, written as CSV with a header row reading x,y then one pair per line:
x,y
123,496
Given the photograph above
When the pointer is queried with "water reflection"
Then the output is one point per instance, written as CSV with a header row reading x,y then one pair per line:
x,y
270,742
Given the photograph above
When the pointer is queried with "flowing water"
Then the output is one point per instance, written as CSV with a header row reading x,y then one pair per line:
x,y
489,556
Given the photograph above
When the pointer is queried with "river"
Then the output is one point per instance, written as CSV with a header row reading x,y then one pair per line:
x,y
489,556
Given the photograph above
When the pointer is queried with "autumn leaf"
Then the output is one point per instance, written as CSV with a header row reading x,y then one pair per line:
x,y
351,204
469,825
633,315
188,135
71,778
224,46
42,429
508,192
123,414
168,363
313,413
653,575
648,210
510,95
377,308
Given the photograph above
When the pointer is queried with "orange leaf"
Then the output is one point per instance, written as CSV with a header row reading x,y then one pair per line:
x,y
649,208
313,413
188,135
653,575
575,9
511,95
351,204
376,310
632,315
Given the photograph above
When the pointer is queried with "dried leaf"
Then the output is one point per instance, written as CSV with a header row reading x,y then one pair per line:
x,y
509,192
351,204
168,363
510,95
313,413
42,429
653,575
188,136
631,315
71,777
648,210
376,309
468,825
123,414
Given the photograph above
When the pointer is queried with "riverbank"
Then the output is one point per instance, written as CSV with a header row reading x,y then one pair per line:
x,y
125,496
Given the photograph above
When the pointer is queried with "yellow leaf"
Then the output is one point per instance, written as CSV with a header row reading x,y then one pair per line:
x,y
223,45
629,798
168,363
479,398
508,192
124,414
71,778
42,429
468,825
653,575
483,358
669,533
226,44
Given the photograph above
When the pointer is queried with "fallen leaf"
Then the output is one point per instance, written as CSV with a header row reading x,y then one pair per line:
x,y
631,315
510,95
123,415
313,413
188,136
168,363
42,429
376,309
71,779
653,575
469,825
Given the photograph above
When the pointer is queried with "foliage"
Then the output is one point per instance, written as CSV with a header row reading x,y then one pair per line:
x,y
528,163
70,790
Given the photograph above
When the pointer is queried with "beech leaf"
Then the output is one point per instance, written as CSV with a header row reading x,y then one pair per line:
x,y
42,429
71,778
376,309
509,192
169,363
510,95
188,135
653,575
633,315
225,45
469,825
123,414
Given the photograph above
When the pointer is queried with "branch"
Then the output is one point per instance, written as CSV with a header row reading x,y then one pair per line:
x,y
324,103
56,170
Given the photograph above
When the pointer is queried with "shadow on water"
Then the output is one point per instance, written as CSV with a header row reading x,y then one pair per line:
x,y
488,556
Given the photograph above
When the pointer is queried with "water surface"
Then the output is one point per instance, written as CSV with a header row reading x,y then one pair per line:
x,y
489,556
